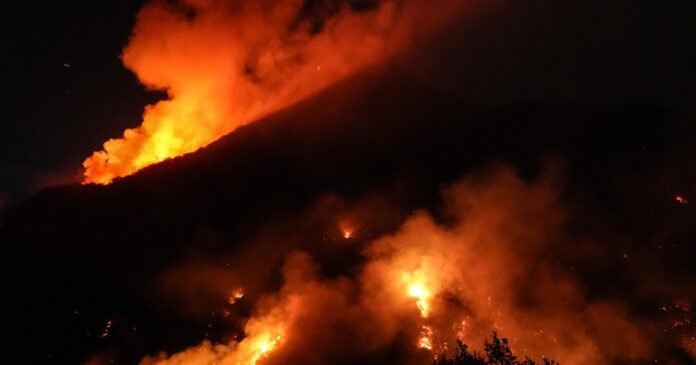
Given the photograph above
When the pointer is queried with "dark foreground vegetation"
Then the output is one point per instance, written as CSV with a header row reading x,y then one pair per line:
x,y
496,352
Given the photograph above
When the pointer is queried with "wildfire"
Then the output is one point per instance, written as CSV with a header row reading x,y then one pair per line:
x,y
681,199
264,335
425,341
427,266
462,328
347,234
347,228
421,294
263,346
416,288
222,69
235,295
689,344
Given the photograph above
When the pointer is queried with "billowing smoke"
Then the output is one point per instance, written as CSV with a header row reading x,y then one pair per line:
x,y
487,262
227,63
497,257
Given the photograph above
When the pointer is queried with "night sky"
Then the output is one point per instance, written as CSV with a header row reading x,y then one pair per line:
x,y
546,147
65,88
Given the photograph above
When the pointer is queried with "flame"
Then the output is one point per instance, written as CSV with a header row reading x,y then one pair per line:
x,y
347,228
223,67
452,274
264,335
263,338
425,341
262,347
417,289
235,295
422,295
347,234
689,345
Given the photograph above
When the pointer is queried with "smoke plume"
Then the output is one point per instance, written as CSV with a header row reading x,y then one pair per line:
x,y
489,263
227,63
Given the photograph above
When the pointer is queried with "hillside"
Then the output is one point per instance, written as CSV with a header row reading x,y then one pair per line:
x,y
76,256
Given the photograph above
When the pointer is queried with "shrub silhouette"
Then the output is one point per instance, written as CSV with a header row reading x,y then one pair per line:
x,y
497,352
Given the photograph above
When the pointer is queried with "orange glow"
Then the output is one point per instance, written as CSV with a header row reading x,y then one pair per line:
x,y
264,336
347,234
107,328
347,227
226,67
262,347
465,279
425,341
235,295
681,199
422,295
417,289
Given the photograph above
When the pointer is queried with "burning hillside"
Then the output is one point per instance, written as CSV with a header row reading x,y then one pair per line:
x,y
224,64
181,278
358,182
431,284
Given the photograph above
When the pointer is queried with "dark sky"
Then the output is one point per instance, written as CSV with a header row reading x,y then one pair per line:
x,y
66,91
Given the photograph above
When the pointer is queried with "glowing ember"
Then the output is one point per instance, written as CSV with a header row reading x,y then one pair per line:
x,y
249,351
235,295
689,344
425,341
438,270
462,329
346,228
422,295
681,199
107,328
209,93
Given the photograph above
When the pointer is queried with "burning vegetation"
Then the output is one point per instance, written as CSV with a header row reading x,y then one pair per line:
x,y
434,287
488,272
227,63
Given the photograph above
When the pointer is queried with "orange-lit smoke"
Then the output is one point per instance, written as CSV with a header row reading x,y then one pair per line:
x,y
490,268
486,267
264,336
227,63
264,333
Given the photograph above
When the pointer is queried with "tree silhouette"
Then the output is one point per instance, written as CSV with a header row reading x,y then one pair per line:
x,y
462,356
497,352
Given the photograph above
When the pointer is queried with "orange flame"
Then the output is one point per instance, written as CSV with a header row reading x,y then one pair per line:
x,y
417,289
347,234
264,335
235,295
226,66
425,341
262,347
423,296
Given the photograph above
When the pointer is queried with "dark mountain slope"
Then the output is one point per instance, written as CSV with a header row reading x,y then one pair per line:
x,y
76,256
